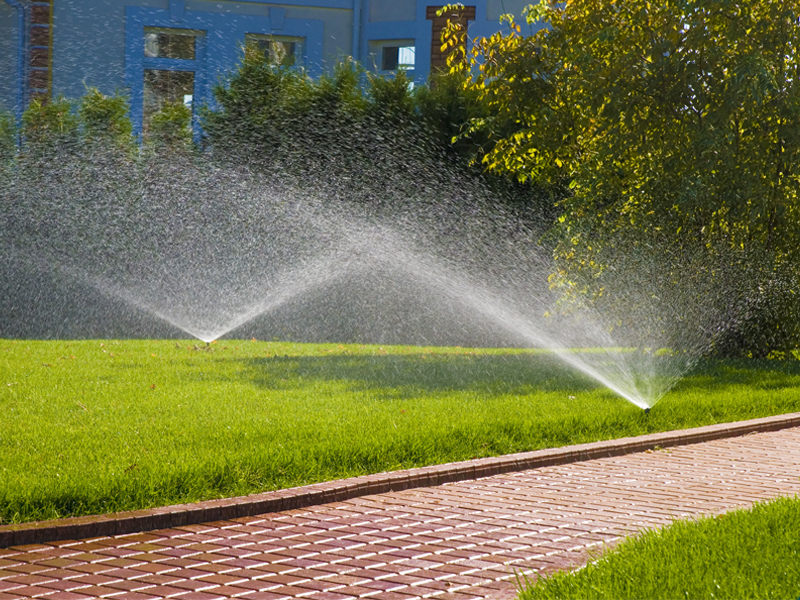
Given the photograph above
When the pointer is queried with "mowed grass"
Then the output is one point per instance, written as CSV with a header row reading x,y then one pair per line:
x,y
746,554
95,426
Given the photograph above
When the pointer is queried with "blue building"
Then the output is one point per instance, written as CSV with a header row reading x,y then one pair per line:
x,y
159,50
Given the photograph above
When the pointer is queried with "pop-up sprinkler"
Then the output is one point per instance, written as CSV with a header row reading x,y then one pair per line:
x,y
647,410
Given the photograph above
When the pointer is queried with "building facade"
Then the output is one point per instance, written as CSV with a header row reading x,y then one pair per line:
x,y
158,50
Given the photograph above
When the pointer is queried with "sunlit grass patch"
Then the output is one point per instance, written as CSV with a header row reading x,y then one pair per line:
x,y
97,426
752,554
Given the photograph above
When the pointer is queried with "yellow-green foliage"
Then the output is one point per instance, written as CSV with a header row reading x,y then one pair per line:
x,y
676,126
171,125
8,136
93,117
50,122
104,117
681,118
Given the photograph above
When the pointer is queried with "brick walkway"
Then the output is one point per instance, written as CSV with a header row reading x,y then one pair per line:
x,y
453,542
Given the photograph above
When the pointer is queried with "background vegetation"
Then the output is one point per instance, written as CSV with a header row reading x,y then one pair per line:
x,y
675,125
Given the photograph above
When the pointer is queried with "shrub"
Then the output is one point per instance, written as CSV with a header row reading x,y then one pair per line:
x,y
171,126
51,123
104,117
8,137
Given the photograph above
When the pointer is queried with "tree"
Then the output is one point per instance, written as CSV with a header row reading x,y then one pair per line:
x,y
675,123
94,117
76,158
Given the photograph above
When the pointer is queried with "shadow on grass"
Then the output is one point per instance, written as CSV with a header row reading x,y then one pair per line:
x,y
498,374
512,373
718,374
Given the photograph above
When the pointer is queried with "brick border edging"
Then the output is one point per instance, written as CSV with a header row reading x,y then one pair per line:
x,y
344,489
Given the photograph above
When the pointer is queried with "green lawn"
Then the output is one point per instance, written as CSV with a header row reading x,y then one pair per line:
x,y
753,554
97,426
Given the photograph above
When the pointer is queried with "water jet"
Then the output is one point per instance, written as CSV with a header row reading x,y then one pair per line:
x,y
214,252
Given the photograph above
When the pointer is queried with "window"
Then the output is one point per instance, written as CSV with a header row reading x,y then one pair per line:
x,y
161,87
166,43
169,70
278,50
393,55
397,57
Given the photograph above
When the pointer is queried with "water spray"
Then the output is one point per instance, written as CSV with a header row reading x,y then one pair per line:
x,y
320,258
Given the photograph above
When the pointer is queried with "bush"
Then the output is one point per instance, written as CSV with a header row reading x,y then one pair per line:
x,y
104,117
8,137
63,123
50,124
171,126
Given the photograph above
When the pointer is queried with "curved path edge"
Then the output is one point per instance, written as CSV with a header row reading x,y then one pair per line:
x,y
345,489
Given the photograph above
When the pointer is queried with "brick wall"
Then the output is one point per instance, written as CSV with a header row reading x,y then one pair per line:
x,y
41,50
461,16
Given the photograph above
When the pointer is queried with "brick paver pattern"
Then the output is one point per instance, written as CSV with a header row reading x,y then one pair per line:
x,y
452,542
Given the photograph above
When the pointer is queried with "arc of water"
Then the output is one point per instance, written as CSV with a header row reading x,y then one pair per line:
x,y
491,306
357,252
474,296
291,284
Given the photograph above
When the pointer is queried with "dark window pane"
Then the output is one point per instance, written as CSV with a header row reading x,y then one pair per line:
x,y
282,53
389,56
168,44
277,52
397,57
260,45
166,86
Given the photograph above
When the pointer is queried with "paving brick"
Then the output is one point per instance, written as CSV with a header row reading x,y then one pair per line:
x,y
258,584
32,591
219,579
63,585
26,569
212,567
92,568
263,596
198,596
29,580
129,585
99,591
459,596
394,596
454,542
283,579
306,563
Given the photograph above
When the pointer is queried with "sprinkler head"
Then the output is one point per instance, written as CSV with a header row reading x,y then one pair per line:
x,y
647,410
